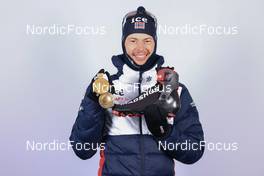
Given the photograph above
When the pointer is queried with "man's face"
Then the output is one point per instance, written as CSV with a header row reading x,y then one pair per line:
x,y
139,47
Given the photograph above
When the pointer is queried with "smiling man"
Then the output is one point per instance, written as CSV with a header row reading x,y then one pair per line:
x,y
139,47
138,144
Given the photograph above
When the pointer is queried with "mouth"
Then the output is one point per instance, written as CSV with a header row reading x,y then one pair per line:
x,y
140,56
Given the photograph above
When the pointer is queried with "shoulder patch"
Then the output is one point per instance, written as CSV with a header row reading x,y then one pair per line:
x,y
192,104
81,108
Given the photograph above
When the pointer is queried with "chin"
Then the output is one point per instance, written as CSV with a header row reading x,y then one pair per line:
x,y
141,62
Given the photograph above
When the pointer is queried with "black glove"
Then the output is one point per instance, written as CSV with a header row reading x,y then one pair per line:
x,y
156,120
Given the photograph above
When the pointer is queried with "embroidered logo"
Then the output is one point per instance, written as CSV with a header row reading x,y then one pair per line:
x,y
148,79
139,25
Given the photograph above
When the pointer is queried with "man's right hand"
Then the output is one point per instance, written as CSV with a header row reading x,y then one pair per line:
x,y
93,91
89,92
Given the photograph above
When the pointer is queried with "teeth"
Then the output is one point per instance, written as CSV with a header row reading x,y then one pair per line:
x,y
140,55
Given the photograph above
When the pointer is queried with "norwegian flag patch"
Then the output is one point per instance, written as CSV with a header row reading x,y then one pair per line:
x,y
139,25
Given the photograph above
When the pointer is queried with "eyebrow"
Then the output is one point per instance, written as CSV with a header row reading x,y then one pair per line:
x,y
133,38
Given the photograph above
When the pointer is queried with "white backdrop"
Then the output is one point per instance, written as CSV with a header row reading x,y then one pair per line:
x,y
44,77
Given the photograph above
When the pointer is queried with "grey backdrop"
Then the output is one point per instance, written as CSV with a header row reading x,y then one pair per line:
x,y
43,79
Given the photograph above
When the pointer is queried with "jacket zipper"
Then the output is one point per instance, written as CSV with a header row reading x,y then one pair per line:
x,y
141,131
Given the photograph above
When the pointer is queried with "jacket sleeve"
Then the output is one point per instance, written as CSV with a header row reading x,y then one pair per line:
x,y
186,129
87,130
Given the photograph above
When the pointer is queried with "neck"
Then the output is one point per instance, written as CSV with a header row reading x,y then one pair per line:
x,y
151,62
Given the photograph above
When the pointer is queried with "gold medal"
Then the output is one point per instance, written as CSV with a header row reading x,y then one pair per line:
x,y
106,100
100,85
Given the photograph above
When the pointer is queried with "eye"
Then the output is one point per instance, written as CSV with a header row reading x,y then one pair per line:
x,y
133,41
148,41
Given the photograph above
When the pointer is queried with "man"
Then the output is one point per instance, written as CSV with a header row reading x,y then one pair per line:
x,y
138,144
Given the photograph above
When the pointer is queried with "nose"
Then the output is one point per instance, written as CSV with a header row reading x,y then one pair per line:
x,y
140,45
